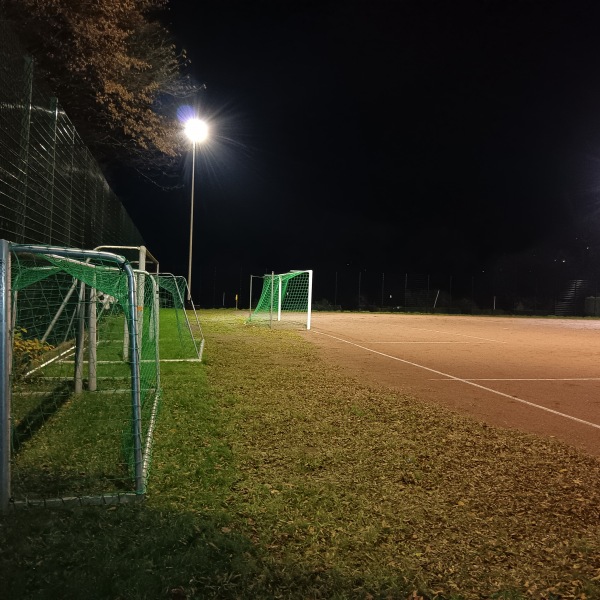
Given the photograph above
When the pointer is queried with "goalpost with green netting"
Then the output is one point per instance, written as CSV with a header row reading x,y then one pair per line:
x,y
79,376
185,340
284,298
170,293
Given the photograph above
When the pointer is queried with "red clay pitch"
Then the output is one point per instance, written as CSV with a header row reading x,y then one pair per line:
x,y
537,375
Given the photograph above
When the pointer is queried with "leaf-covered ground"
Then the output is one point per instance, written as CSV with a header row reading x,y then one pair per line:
x,y
274,475
390,492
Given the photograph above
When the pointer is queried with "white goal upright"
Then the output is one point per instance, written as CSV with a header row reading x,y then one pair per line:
x,y
284,298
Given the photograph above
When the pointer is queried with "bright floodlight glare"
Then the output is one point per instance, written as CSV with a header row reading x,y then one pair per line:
x,y
196,130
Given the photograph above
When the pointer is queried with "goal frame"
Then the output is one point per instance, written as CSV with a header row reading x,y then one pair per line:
x,y
140,461
272,293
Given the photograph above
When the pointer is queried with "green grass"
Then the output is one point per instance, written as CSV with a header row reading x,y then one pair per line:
x,y
79,445
175,337
274,475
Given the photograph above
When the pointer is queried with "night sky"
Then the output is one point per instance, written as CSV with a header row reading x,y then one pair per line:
x,y
416,136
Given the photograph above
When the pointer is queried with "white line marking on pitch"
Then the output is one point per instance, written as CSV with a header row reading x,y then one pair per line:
x,y
468,382
522,379
418,342
459,334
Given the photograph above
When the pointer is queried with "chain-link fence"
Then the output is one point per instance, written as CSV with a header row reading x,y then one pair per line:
x,y
517,291
496,292
52,191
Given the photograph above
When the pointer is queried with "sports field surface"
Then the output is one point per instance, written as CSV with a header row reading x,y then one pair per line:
x,y
537,375
283,467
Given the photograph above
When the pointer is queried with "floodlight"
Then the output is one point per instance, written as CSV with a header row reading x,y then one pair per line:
x,y
196,130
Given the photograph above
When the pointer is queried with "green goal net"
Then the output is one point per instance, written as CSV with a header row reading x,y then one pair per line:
x,y
182,337
85,380
285,298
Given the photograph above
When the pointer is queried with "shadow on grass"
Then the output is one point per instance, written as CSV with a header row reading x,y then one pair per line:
x,y
48,405
136,552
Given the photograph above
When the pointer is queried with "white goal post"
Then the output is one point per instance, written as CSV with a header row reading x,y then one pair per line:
x,y
284,298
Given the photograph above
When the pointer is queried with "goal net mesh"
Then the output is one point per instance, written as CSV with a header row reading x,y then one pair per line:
x,y
74,425
181,333
285,298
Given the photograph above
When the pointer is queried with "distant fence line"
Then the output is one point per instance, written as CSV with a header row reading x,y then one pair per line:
x,y
509,291
494,292
52,191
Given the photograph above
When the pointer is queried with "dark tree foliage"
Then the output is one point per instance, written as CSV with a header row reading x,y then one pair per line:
x,y
115,70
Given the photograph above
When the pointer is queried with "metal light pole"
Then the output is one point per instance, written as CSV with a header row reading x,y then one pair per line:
x,y
197,132
189,294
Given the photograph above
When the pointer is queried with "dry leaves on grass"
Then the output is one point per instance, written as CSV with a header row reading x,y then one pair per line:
x,y
393,492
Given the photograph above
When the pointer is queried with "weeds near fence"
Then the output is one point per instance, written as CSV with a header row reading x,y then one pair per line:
x,y
276,476
26,352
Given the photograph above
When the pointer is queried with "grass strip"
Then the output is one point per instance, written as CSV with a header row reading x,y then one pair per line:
x,y
277,476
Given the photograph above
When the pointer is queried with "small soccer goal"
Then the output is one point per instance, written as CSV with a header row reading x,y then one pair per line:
x,y
79,376
184,339
285,298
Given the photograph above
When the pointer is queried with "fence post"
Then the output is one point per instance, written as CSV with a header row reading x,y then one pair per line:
x,y
5,367
69,189
335,290
23,184
250,301
52,175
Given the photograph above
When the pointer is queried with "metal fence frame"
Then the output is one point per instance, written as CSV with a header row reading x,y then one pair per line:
x,y
52,191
